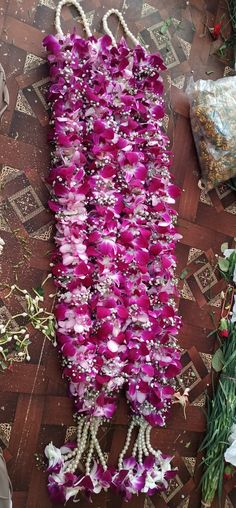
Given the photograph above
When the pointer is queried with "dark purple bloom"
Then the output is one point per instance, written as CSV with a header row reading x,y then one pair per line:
x,y
52,44
56,491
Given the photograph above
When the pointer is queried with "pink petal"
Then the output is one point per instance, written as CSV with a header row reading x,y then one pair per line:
x,y
148,369
60,311
102,312
141,173
99,126
158,111
132,157
122,312
108,171
173,191
112,346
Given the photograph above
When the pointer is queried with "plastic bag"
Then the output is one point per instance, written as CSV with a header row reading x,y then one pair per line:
x,y
213,121
5,485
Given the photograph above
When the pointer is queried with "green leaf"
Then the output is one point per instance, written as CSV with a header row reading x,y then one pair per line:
x,y
27,342
222,49
218,360
184,274
179,26
51,328
39,291
212,333
224,246
164,27
3,366
223,264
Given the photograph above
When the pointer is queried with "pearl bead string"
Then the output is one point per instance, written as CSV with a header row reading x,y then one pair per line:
x,y
135,448
143,441
123,24
94,429
156,453
142,444
140,448
74,452
72,466
89,458
79,9
126,445
86,431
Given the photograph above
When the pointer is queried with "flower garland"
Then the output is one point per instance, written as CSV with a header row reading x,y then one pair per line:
x,y
114,264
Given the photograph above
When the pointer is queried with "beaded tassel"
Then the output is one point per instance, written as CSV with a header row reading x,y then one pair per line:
x,y
86,439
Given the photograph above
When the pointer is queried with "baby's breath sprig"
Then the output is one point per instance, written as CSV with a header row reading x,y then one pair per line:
x,y
15,341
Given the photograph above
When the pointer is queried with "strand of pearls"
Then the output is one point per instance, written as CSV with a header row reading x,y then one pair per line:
x,y
71,454
135,448
74,452
143,440
94,429
122,22
156,453
142,444
126,445
89,458
79,9
73,458
72,466
140,447
81,433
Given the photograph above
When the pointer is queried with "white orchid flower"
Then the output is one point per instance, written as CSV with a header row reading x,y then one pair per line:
x,y
53,455
228,252
230,453
233,318
71,492
232,436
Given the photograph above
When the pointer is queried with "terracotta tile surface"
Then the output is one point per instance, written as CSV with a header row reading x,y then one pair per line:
x,y
34,408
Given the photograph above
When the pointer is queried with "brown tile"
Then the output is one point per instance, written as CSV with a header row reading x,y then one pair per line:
x,y
57,411
29,409
12,57
20,499
23,36
27,128
24,380
23,11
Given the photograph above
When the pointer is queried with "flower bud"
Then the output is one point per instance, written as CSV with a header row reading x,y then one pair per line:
x,y
228,472
223,328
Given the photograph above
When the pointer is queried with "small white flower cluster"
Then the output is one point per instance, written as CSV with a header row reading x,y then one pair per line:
x,y
19,337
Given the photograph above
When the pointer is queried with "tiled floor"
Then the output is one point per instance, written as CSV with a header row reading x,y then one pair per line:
x,y
34,408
